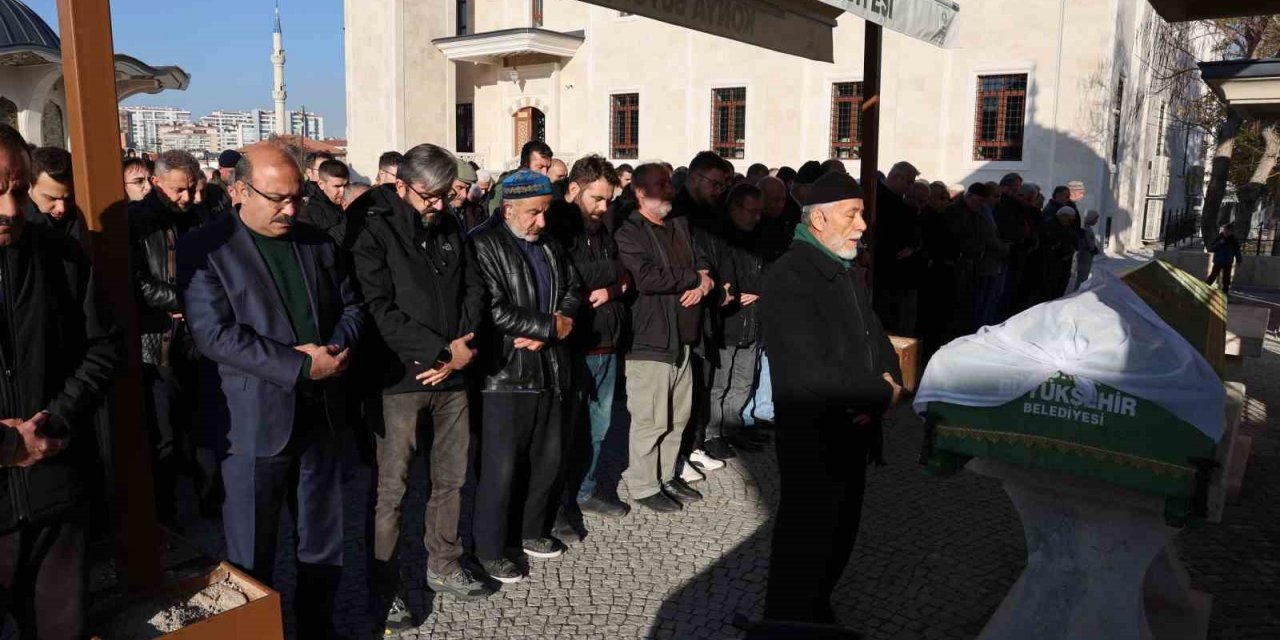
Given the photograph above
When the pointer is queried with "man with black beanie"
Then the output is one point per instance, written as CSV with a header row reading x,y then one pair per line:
x,y
835,373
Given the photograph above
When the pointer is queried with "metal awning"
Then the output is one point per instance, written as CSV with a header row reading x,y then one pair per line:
x,y
1251,87
797,27
1186,10
492,46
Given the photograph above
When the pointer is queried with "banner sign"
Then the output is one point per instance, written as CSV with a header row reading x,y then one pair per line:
x,y
798,28
932,21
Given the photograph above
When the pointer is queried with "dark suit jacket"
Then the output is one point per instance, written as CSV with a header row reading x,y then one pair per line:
x,y
239,321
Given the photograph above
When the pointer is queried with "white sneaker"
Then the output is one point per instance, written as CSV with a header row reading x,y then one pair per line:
x,y
704,462
691,475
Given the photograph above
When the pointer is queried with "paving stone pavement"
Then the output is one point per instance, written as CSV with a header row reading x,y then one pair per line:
x,y
933,560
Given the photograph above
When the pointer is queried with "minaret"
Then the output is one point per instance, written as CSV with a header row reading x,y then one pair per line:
x,y
277,62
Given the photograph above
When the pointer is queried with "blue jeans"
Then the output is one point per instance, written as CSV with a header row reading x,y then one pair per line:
x,y
603,371
761,404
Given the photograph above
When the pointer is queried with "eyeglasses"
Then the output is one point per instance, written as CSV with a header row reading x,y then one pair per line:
x,y
280,202
431,200
718,184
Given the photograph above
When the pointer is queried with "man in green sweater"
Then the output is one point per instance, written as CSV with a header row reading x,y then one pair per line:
x,y
270,303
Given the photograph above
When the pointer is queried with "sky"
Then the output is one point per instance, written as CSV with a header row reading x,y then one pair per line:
x,y
226,48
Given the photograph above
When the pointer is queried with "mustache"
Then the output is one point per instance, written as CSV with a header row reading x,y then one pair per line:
x,y
282,219
10,221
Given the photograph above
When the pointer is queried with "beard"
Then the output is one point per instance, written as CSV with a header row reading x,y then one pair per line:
x,y
837,246
661,207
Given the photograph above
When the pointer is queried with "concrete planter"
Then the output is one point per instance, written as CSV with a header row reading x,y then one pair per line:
x,y
259,618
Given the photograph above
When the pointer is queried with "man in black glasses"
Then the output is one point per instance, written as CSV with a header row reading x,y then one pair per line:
x,y
273,305
701,201
425,296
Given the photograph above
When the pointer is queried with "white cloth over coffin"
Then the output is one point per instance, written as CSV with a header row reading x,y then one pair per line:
x,y
1104,333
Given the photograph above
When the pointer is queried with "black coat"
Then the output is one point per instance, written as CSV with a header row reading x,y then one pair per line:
x,y
71,225
897,228
827,350
326,216
742,266
215,198
595,258
60,354
658,284
513,312
153,231
422,287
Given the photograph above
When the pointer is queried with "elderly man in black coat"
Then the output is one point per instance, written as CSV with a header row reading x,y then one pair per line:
x,y
834,374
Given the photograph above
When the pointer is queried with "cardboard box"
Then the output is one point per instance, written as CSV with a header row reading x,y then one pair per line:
x,y
908,350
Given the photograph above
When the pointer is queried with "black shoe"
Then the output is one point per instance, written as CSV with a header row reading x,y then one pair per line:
x,y
543,548
718,448
680,490
460,584
564,529
604,506
503,570
660,502
400,618
740,441
755,435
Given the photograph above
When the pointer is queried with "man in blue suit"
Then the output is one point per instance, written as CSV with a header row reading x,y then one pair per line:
x,y
268,301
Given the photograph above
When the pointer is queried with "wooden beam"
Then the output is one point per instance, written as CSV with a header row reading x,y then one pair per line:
x,y
870,156
93,120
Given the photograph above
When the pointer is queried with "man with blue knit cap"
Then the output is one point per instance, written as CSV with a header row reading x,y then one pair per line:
x,y
534,294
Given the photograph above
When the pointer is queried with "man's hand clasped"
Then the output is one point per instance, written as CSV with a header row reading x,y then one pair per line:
x,y
460,356
327,361
32,445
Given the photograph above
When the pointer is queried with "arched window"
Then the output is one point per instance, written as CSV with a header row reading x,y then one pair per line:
x,y
52,131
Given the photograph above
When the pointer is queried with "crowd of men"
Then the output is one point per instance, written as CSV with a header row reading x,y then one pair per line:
x,y
279,302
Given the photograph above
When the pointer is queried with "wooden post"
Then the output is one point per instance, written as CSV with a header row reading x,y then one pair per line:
x,y
93,117
871,55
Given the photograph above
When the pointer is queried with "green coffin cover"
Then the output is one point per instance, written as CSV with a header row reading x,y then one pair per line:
x,y
1118,438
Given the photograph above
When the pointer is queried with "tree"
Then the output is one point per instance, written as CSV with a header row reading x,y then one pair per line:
x,y
1242,38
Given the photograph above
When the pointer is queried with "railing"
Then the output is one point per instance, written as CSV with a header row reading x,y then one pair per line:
x,y
1260,241
1180,226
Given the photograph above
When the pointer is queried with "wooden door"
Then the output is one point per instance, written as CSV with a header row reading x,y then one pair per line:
x,y
530,125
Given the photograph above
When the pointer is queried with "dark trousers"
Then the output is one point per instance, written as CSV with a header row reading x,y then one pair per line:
x,y
43,578
169,418
519,463
1225,271
446,415
822,471
307,476
731,390
704,372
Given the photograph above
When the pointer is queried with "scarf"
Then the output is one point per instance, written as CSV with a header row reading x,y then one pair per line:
x,y
804,235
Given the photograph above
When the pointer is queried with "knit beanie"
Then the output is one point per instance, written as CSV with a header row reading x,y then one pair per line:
x,y
833,187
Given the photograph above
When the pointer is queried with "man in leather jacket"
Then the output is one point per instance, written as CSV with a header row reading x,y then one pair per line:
x,y
534,294
168,354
